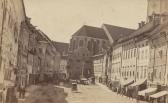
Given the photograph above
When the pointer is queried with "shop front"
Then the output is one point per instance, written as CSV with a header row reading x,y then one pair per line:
x,y
137,86
159,97
124,87
144,94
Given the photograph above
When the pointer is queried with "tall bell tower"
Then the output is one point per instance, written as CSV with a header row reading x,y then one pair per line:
x,y
156,7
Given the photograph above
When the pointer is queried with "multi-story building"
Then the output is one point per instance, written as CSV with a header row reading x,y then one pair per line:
x,y
99,66
23,44
12,14
63,49
157,12
158,53
49,57
142,58
85,43
116,61
115,53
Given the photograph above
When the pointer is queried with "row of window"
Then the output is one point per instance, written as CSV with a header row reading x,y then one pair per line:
x,y
136,46
143,54
129,54
128,73
132,74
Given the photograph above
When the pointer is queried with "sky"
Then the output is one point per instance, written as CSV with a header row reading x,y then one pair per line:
x,y
59,19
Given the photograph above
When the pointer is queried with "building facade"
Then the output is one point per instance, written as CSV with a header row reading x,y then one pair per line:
x,y
63,49
11,17
49,58
99,66
85,43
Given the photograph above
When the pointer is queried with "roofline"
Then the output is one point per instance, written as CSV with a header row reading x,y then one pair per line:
x,y
92,37
120,27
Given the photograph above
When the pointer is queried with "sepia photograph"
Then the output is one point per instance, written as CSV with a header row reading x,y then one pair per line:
x,y
83,51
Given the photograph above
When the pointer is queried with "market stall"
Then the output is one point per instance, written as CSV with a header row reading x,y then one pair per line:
x,y
160,97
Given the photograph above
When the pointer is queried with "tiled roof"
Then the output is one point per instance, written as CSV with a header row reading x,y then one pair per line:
x,y
90,31
145,29
61,47
117,32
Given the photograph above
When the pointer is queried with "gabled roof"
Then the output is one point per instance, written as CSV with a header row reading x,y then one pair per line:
x,y
61,47
117,32
90,31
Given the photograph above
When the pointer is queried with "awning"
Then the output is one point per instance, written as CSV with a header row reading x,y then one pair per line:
x,y
139,82
159,94
127,82
147,91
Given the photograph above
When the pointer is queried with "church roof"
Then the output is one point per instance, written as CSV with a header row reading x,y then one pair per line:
x,y
117,32
90,31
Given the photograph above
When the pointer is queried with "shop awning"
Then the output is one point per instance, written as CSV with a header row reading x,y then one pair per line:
x,y
126,82
159,94
147,91
139,82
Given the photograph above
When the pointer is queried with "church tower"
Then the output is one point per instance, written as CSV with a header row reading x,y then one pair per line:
x,y
156,7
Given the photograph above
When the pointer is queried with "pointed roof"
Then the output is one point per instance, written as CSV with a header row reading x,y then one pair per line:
x,y
90,31
117,32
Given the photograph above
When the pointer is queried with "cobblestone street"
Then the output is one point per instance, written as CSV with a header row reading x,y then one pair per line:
x,y
96,94
86,94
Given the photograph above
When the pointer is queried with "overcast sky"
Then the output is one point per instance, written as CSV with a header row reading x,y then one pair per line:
x,y
59,19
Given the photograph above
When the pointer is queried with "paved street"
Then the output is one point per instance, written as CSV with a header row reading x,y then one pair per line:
x,y
96,94
86,94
